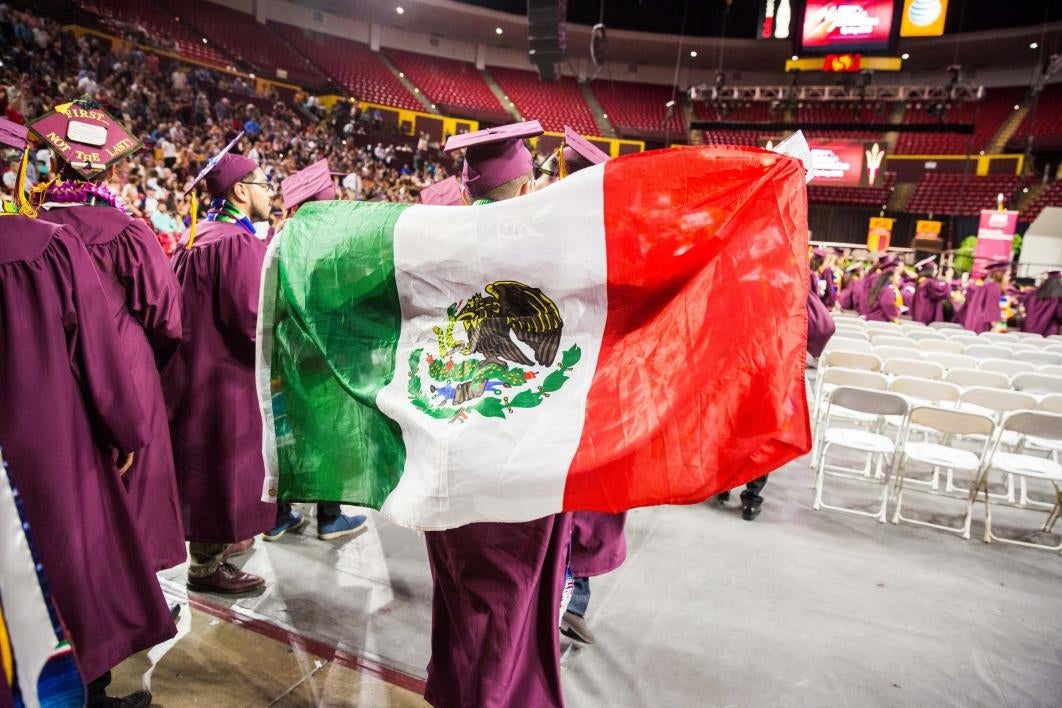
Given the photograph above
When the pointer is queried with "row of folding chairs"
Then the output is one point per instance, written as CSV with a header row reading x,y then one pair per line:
x,y
948,330
990,373
1004,435
1050,355
1009,366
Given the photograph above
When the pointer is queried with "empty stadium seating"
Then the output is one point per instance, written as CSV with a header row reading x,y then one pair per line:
x,y
987,115
836,112
1052,196
944,193
1044,123
553,104
354,66
639,109
456,87
167,28
854,196
753,112
250,42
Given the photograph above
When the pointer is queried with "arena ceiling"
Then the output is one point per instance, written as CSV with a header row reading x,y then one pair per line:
x,y
646,31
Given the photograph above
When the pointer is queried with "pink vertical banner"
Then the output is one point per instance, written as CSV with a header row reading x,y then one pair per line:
x,y
995,236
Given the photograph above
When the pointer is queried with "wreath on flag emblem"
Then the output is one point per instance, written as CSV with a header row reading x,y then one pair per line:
x,y
490,373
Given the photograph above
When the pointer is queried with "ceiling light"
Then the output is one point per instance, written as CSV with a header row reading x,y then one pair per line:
x,y
1017,107
794,57
498,30
605,116
905,56
204,40
1034,45
400,10
693,53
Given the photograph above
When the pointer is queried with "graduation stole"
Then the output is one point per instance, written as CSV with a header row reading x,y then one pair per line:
x,y
222,209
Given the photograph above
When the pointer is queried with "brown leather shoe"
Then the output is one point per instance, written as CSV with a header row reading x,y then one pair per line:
x,y
236,549
226,579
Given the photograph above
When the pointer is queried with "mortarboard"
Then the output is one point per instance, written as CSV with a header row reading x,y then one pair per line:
x,y
925,262
444,193
997,266
224,170
819,252
85,136
494,156
579,152
12,135
313,183
1053,274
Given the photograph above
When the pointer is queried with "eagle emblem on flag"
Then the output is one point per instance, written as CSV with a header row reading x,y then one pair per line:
x,y
490,373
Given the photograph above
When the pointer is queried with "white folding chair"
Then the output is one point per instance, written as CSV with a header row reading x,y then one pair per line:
x,y
998,338
961,335
1005,366
945,325
885,352
1037,384
830,379
984,351
997,403
848,344
882,326
913,367
1039,358
1030,424
1052,403
1050,370
1054,338
1028,336
945,346
977,377
853,332
949,425
890,340
878,448
925,333
1051,348
850,360
953,361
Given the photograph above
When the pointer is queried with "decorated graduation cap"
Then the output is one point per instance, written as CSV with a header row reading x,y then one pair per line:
x,y
494,156
444,193
313,183
224,170
578,153
13,135
85,136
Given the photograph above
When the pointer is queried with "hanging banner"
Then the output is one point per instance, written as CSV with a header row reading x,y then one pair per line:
x,y
879,233
925,228
995,238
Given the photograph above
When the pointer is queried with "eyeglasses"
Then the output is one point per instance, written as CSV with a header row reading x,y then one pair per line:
x,y
267,185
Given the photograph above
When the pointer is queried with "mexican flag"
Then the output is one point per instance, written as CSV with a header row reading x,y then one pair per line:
x,y
632,335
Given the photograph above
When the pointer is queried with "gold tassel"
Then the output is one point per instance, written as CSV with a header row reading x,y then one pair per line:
x,y
195,217
563,164
25,206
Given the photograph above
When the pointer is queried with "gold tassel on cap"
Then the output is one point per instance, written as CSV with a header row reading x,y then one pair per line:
x,y
195,217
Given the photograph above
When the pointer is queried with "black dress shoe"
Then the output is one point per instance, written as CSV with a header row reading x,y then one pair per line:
x,y
723,497
574,626
748,513
138,699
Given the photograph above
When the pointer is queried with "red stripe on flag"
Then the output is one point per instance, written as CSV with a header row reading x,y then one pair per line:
x,y
699,385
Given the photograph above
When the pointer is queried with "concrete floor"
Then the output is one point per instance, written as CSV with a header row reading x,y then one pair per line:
x,y
799,608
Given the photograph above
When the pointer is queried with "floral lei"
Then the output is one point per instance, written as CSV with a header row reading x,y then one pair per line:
x,y
77,192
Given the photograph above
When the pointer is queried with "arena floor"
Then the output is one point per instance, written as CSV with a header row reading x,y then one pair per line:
x,y
798,608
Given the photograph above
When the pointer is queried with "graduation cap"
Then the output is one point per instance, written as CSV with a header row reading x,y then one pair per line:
x,y
819,252
224,170
444,193
494,156
578,152
313,183
997,266
13,135
85,136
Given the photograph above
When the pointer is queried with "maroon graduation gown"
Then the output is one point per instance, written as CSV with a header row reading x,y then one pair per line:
x,y
209,386
982,306
820,326
143,292
496,594
599,545
861,296
1042,315
67,399
884,307
848,299
927,305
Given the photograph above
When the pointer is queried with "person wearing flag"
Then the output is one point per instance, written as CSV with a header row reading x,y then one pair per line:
x,y
599,544
71,423
142,291
497,587
313,183
209,383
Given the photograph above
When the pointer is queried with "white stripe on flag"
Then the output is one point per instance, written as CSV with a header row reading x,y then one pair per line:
x,y
457,472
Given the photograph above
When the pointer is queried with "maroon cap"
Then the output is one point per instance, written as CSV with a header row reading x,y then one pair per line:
x,y
819,252
580,152
444,193
85,136
494,156
1054,274
996,266
12,134
224,170
313,183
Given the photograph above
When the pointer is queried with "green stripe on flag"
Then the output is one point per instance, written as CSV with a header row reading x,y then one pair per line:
x,y
335,334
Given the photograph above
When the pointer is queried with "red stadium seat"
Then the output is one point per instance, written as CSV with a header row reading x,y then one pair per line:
x,y
639,109
454,86
552,104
